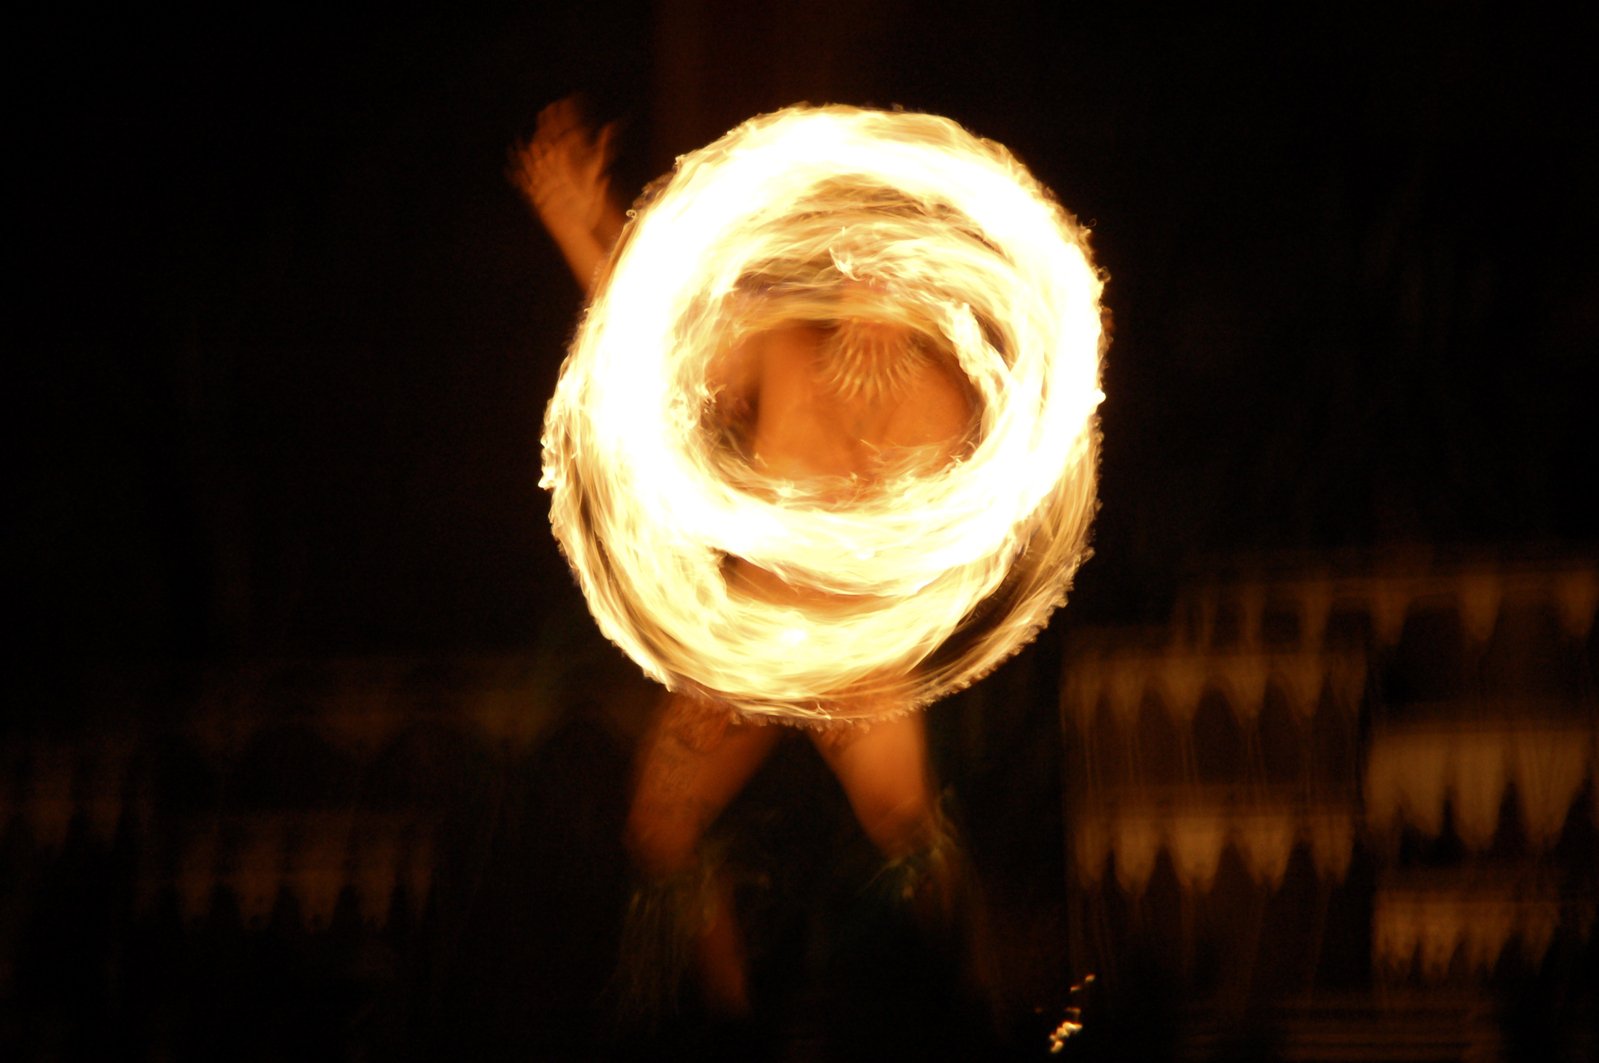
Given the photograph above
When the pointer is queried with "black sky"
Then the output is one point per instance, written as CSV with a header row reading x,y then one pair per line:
x,y
286,333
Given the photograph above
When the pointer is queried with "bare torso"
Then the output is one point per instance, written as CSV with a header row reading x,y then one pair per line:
x,y
803,430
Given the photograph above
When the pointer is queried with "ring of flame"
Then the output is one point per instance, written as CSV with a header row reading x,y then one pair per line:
x,y
939,578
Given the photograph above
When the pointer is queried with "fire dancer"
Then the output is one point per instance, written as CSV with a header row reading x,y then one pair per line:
x,y
833,404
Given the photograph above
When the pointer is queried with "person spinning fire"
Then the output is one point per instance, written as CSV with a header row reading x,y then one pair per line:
x,y
831,402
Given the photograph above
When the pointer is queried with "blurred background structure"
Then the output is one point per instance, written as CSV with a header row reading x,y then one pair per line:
x,y
1351,811
309,748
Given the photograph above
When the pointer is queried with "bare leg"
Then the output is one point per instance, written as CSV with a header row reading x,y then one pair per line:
x,y
883,769
694,762
885,775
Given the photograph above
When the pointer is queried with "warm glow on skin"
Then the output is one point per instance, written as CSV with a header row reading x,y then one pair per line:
x,y
777,225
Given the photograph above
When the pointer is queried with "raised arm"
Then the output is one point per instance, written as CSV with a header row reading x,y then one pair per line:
x,y
564,172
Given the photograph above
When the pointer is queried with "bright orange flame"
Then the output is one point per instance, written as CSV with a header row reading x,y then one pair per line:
x,y
947,573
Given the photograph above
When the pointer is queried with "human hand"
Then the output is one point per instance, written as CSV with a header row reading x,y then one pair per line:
x,y
564,172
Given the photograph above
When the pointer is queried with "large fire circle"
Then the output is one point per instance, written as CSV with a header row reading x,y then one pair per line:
x,y
933,579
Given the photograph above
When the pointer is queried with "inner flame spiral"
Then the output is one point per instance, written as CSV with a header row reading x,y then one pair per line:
x,y
907,588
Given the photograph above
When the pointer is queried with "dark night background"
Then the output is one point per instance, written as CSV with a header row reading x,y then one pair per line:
x,y
287,332
282,333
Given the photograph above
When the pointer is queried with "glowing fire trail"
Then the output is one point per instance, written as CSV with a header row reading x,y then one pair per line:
x,y
946,574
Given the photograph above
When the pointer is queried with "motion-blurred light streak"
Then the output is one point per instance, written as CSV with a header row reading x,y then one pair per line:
x,y
930,579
